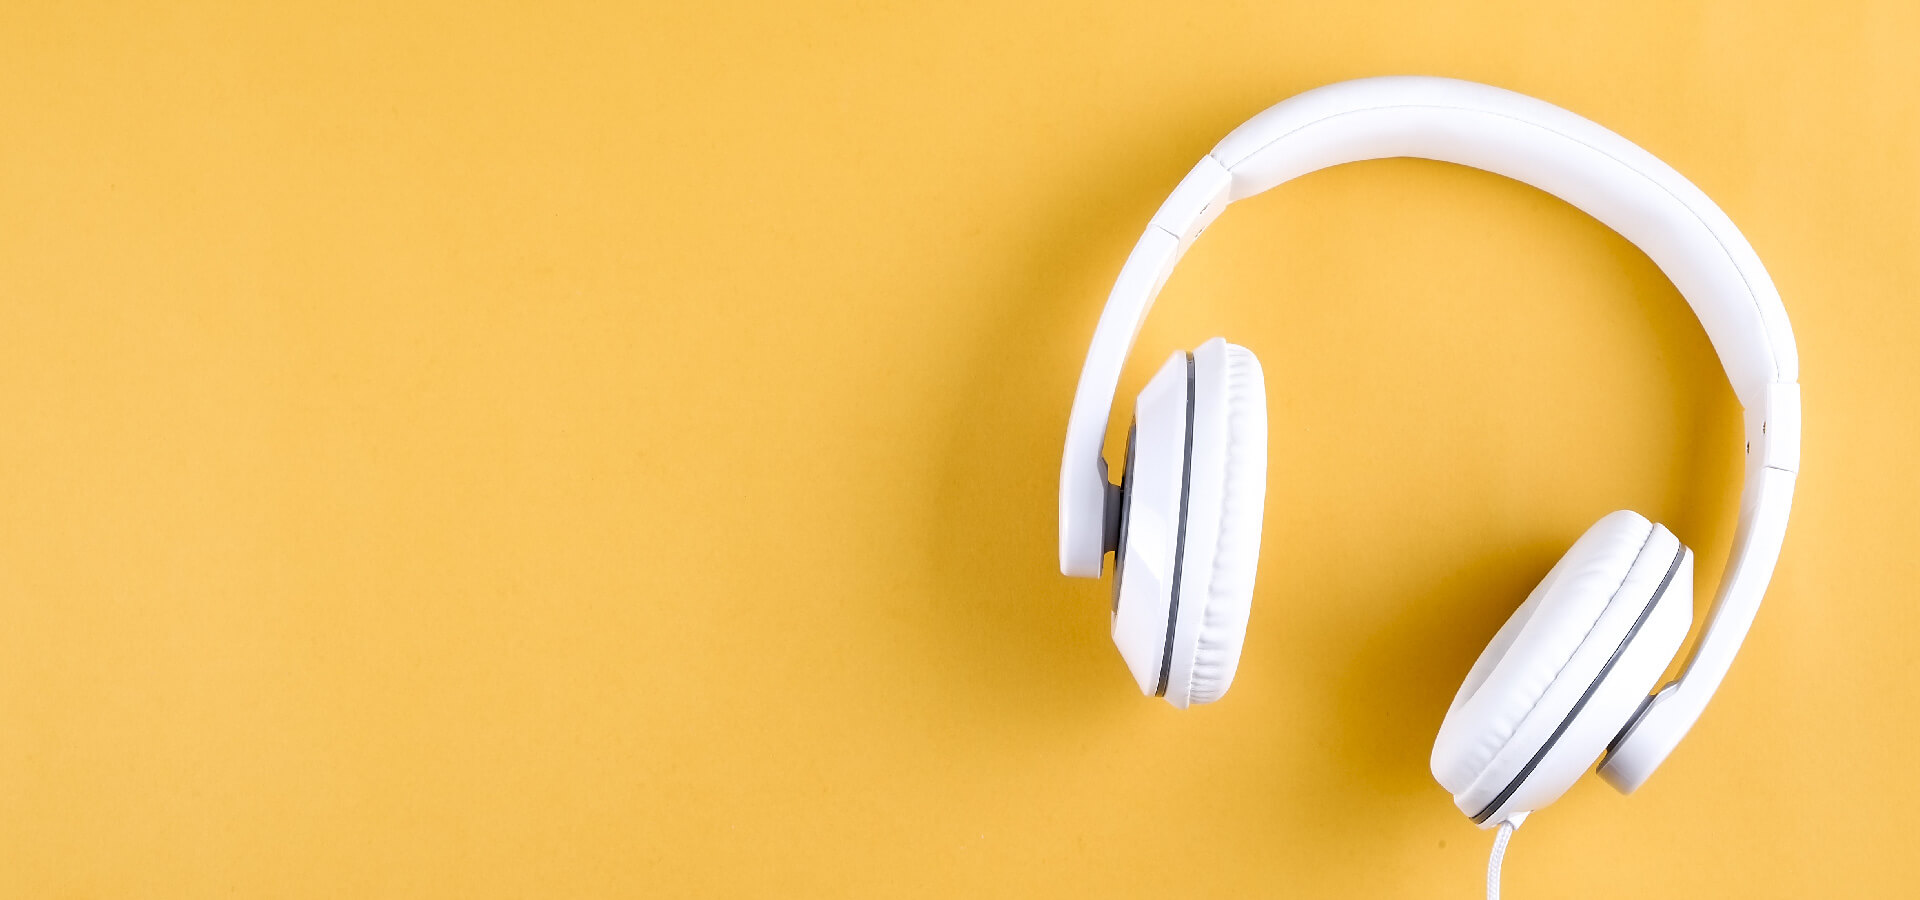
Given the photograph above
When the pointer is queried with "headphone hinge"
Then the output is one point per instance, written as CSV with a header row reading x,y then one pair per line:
x,y
1192,206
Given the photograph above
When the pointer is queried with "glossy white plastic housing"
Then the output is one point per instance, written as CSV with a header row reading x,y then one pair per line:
x,y
1674,223
1145,588
1666,717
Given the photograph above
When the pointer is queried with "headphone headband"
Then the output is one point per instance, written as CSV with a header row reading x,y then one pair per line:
x,y
1601,173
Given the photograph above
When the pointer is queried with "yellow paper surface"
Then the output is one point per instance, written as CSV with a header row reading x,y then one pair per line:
x,y
552,450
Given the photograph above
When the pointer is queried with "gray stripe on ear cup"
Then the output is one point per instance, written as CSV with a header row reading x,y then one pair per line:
x,y
1540,754
1179,541
1126,517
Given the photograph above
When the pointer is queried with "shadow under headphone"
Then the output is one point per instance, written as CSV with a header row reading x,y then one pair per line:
x,y
1572,674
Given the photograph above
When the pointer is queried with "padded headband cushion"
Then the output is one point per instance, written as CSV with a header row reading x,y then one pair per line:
x,y
1533,648
1223,627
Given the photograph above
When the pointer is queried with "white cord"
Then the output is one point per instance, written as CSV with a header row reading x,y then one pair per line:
x,y
1500,853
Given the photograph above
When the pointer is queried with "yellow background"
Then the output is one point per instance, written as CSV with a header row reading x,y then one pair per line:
x,y
517,450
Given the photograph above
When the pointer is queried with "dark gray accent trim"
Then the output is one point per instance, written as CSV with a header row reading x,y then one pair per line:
x,y
1179,541
1553,738
1125,503
1112,507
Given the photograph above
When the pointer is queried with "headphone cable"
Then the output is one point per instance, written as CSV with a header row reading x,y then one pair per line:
x,y
1500,853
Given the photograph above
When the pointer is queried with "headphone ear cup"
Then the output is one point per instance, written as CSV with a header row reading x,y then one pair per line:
x,y
1192,499
1567,671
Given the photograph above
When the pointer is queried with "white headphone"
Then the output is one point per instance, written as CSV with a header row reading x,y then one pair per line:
x,y
1568,677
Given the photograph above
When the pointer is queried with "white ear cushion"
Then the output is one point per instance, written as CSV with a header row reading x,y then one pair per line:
x,y
1597,694
1229,594
1532,650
